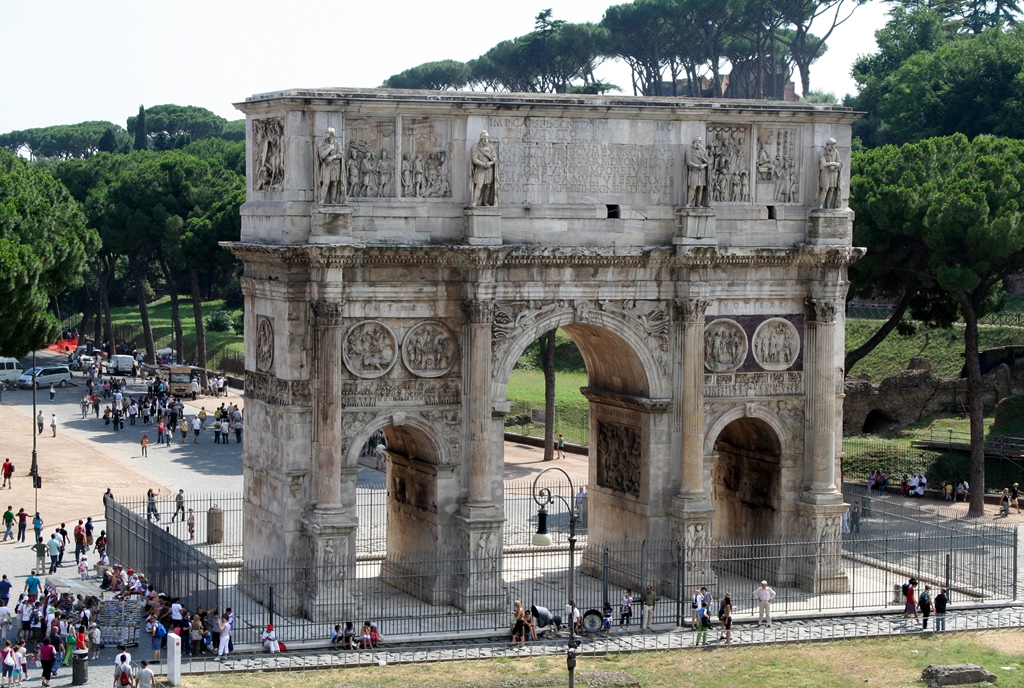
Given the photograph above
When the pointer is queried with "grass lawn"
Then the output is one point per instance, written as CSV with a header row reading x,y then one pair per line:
x,y
890,662
945,348
217,343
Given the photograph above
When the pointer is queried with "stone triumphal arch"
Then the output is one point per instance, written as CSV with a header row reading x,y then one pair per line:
x,y
402,248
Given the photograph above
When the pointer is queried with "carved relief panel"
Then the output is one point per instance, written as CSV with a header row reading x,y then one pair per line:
x,y
776,344
264,344
369,349
429,349
729,148
369,158
268,154
425,170
725,346
778,171
618,457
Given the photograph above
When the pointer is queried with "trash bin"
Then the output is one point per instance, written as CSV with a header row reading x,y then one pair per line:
x,y
214,525
80,668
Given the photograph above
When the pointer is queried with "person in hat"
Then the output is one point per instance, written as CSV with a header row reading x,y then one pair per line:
x,y
269,639
764,596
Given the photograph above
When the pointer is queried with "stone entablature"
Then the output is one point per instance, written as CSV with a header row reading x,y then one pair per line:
x,y
397,166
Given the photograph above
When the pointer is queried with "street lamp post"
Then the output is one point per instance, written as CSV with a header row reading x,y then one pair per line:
x,y
542,538
34,470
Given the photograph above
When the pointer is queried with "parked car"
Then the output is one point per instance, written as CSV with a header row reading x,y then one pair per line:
x,y
45,376
120,364
10,369
82,362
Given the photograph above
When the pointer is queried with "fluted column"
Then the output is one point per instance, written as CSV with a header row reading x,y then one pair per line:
x,y
820,370
689,388
327,440
478,326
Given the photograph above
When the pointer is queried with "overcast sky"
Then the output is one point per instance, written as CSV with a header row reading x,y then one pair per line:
x,y
68,62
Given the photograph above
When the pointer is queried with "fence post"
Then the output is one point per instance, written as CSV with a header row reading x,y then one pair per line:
x,y
1015,544
604,577
919,551
680,580
271,604
643,565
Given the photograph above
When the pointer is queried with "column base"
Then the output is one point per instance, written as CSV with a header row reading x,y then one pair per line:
x,y
691,524
482,225
329,583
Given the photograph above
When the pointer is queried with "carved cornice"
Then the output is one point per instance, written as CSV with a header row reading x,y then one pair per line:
x,y
690,310
823,311
626,401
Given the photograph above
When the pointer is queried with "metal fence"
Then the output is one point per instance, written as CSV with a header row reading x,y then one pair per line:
x,y
427,597
372,509
868,311
527,418
169,563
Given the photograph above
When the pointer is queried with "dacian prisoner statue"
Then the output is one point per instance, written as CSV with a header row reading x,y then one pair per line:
x,y
329,158
830,168
485,172
696,161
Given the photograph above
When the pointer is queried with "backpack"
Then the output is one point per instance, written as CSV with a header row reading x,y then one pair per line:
x,y
906,589
160,630
125,678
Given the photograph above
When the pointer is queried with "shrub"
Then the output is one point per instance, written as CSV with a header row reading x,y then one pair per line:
x,y
219,321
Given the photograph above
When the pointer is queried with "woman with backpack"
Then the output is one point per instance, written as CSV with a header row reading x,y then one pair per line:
x,y
925,603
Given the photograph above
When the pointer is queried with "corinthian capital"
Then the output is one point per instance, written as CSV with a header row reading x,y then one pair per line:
x,y
478,310
823,310
326,313
691,310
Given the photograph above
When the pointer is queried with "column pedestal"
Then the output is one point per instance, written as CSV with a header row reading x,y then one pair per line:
x,y
479,584
695,227
819,568
326,587
331,224
826,227
482,226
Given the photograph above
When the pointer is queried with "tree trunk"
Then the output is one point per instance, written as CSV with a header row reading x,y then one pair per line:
x,y
975,404
105,284
547,354
172,287
140,296
879,336
197,312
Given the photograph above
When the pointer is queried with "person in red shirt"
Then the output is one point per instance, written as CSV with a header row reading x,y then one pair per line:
x,y
910,589
161,427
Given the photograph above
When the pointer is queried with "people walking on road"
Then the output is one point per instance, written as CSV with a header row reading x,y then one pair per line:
x,y
561,446
53,392
53,547
9,524
151,510
53,423
191,522
1004,503
649,600
145,445
40,422
941,601
8,473
37,525
764,596
179,505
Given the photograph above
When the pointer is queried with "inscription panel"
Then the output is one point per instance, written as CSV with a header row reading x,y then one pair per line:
x,y
564,159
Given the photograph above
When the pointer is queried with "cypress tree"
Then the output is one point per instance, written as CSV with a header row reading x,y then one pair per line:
x,y
141,143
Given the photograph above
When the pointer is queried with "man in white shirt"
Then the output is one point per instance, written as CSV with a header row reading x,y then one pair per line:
x,y
144,678
764,596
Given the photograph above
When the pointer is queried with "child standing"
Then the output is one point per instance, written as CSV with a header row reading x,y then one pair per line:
x,y
145,445
191,525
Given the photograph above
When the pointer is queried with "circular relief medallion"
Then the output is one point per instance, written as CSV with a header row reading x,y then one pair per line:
x,y
428,349
725,346
776,344
264,344
369,349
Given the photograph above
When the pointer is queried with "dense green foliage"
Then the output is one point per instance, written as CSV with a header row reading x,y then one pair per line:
x,y
44,243
66,141
1009,417
673,47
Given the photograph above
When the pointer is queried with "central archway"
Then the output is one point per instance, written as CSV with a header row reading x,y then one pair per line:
x,y
746,481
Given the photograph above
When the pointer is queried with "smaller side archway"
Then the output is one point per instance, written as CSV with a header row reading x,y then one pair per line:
x,y
746,481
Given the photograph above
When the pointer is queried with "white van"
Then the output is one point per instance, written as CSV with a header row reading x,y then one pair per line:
x,y
10,369
120,364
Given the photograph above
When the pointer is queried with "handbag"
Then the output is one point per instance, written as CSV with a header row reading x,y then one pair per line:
x,y
9,658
